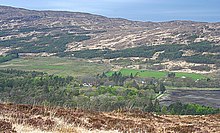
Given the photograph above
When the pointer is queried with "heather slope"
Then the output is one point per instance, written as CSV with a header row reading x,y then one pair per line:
x,y
30,118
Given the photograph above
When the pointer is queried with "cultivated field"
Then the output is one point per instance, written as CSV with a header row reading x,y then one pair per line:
x,y
156,74
56,65
39,119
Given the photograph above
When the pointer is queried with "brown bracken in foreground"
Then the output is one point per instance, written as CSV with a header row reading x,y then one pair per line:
x,y
48,119
6,127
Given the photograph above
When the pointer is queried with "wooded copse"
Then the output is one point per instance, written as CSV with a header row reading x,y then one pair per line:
x,y
100,93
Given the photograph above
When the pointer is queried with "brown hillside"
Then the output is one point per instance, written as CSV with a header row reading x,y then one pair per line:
x,y
27,118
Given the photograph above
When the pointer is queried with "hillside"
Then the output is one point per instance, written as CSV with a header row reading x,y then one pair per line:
x,y
27,118
78,72
30,31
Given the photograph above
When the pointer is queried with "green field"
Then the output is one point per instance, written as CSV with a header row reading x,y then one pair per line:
x,y
56,65
156,74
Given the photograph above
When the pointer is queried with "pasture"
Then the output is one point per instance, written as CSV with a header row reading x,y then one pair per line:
x,y
156,74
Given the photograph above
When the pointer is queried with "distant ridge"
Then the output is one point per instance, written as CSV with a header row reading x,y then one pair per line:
x,y
111,33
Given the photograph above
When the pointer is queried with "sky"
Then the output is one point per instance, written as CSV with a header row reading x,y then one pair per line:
x,y
141,10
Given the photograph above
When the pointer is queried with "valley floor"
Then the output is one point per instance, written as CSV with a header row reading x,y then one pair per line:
x,y
28,118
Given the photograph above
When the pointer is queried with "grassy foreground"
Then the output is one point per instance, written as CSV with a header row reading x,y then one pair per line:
x,y
156,74
55,65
